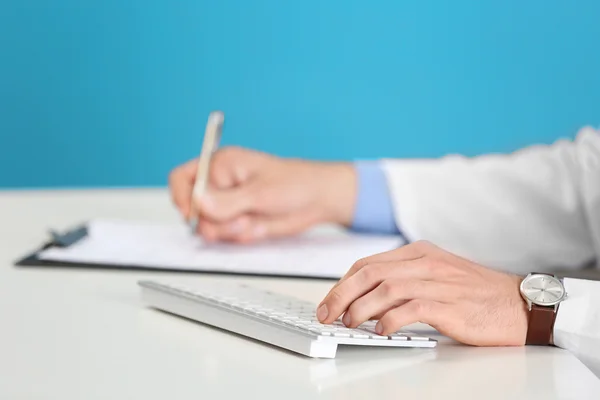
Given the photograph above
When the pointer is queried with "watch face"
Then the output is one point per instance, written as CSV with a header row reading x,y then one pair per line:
x,y
543,290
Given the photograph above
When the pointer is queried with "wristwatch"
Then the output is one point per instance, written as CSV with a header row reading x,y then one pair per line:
x,y
543,294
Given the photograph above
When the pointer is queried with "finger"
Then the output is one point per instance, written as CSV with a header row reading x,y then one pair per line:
x,y
392,293
340,297
229,204
220,178
425,311
252,228
282,226
226,171
224,231
228,231
381,314
181,183
208,230
407,252
348,290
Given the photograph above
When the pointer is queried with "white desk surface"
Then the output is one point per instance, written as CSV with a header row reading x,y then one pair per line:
x,y
83,334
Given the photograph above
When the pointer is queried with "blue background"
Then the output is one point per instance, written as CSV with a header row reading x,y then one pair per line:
x,y
116,92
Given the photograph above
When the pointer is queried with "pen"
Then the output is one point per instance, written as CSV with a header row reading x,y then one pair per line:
x,y
212,137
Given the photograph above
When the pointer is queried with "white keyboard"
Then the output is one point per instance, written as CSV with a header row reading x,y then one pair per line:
x,y
273,318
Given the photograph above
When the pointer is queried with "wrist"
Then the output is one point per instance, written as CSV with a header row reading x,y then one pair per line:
x,y
337,192
522,309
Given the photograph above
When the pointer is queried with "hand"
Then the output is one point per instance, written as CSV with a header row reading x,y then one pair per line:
x,y
423,283
253,196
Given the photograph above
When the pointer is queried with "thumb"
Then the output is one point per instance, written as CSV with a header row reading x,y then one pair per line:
x,y
227,204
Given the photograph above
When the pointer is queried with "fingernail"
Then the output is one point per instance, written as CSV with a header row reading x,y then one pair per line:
x,y
259,231
322,312
347,320
379,328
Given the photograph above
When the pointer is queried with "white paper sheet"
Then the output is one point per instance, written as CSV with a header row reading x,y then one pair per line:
x,y
325,254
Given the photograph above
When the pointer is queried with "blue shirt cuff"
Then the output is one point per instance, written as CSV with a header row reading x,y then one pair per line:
x,y
374,212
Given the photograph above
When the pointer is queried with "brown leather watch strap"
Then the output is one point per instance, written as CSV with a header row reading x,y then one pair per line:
x,y
541,325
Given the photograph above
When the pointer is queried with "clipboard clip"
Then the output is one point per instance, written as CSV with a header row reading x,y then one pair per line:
x,y
68,238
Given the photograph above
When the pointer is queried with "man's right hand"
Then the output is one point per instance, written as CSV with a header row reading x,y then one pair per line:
x,y
253,196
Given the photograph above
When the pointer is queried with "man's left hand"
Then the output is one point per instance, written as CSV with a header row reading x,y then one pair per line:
x,y
422,283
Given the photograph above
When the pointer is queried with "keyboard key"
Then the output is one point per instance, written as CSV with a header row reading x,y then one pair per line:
x,y
341,334
374,335
343,329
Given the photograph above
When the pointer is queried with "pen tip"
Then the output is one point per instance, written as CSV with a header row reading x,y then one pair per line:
x,y
193,225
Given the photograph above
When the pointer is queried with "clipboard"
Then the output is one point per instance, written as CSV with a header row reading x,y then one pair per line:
x,y
74,235
68,238
65,239
144,246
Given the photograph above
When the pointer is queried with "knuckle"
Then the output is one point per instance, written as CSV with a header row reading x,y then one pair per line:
x,y
218,177
389,288
219,156
226,155
420,308
370,272
423,245
361,263
335,297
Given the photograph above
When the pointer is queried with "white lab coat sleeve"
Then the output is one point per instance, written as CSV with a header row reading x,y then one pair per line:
x,y
532,210
577,325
